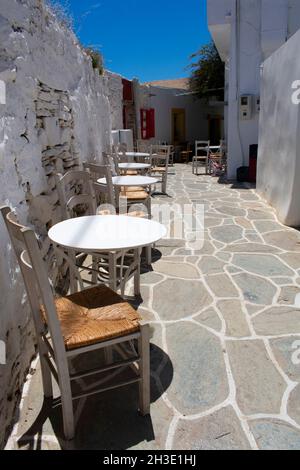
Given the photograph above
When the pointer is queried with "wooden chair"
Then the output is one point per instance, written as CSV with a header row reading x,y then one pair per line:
x,y
132,207
115,268
201,156
185,154
67,327
160,164
134,194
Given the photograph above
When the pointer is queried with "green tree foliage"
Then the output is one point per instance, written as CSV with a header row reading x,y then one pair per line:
x,y
207,73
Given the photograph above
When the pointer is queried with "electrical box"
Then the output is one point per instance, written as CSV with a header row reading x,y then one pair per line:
x,y
246,107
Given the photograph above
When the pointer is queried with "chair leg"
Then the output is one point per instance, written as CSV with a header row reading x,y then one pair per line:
x,y
144,384
46,374
67,404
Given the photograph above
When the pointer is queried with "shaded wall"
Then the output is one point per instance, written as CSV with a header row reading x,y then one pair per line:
x,y
279,129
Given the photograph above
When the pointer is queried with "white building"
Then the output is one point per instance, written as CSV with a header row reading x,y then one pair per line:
x,y
246,33
177,116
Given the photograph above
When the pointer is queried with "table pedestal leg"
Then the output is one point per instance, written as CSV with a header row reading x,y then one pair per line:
x,y
137,275
112,262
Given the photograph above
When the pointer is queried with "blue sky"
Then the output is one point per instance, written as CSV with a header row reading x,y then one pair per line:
x,y
150,39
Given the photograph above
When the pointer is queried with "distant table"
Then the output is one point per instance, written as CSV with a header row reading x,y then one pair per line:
x,y
127,181
134,166
135,154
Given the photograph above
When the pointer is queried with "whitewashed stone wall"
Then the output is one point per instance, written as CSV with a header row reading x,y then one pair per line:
x,y
115,96
56,113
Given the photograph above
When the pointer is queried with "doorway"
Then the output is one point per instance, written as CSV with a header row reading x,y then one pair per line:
x,y
215,129
178,125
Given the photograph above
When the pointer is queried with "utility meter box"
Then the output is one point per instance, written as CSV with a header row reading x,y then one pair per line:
x,y
246,107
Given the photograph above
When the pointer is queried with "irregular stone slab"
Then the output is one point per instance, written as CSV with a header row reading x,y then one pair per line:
x,y
281,281
284,239
219,431
151,277
211,265
207,249
288,295
184,270
211,222
161,417
234,211
176,298
294,405
255,289
292,259
275,435
287,354
224,256
264,226
253,238
277,321
243,222
200,379
265,265
250,248
254,214
222,286
252,309
235,319
259,385
210,318
227,233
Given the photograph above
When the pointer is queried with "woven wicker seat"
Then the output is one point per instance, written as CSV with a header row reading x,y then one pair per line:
x,y
158,169
131,173
135,195
94,315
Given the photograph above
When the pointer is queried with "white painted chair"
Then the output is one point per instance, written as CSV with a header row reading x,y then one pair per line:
x,y
134,207
201,157
115,268
67,327
160,164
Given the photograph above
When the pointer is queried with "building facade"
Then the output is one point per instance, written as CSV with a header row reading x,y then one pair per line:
x,y
246,33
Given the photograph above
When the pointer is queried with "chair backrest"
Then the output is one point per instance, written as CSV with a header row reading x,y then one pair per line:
x,y
112,160
202,147
161,155
143,146
98,171
36,282
76,194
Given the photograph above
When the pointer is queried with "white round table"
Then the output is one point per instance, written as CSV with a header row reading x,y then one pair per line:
x,y
111,234
138,180
134,166
97,233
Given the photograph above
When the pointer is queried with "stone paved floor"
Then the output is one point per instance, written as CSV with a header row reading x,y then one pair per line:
x,y
225,350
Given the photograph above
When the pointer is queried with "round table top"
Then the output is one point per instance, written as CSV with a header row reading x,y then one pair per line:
x,y
106,233
213,147
135,154
137,180
134,166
